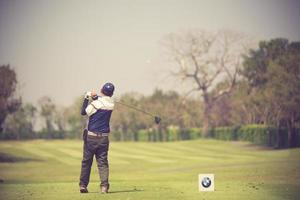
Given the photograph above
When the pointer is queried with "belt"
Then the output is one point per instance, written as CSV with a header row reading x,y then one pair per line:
x,y
97,134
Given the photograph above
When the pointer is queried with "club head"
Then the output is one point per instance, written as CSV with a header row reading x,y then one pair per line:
x,y
157,119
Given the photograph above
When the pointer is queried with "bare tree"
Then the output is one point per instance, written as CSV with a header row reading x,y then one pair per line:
x,y
205,60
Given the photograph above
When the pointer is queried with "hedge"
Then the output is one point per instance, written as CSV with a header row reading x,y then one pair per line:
x,y
257,134
225,133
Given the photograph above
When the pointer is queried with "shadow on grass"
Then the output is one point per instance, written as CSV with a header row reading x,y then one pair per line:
x,y
6,158
122,191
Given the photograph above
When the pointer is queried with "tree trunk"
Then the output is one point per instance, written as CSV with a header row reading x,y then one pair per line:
x,y
124,132
290,127
278,138
207,122
49,129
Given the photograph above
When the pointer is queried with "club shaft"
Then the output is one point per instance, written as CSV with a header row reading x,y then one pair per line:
x,y
135,108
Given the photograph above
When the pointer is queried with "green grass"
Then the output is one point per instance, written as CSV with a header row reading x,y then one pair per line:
x,y
50,170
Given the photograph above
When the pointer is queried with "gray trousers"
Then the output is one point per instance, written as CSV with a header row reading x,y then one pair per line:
x,y
97,146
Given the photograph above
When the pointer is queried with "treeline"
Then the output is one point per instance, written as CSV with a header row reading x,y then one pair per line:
x,y
266,93
59,122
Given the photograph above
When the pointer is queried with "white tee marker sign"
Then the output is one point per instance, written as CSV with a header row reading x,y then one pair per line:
x,y
206,182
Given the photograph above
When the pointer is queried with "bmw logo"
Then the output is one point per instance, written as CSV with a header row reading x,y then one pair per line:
x,y
206,182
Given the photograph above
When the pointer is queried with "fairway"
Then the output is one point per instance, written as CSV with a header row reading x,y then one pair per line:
x,y
45,170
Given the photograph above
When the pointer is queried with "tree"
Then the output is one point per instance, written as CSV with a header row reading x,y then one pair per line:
x,y
20,124
205,59
273,71
60,120
170,106
8,82
127,121
75,123
47,111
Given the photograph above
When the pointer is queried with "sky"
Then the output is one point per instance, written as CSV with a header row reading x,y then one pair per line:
x,y
62,48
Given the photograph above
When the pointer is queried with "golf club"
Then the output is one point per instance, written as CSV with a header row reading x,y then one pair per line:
x,y
157,119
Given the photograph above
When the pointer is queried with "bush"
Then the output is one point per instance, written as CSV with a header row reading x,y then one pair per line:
x,y
225,133
8,136
195,133
143,135
116,136
258,134
173,133
184,134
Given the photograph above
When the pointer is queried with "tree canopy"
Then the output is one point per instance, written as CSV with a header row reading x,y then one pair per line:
x,y
8,82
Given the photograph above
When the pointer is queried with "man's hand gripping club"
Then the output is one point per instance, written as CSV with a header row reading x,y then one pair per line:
x,y
89,95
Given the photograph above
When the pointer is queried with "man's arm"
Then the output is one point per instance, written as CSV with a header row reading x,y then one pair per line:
x,y
86,102
88,109
84,105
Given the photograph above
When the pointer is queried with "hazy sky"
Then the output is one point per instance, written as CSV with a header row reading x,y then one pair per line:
x,y
62,48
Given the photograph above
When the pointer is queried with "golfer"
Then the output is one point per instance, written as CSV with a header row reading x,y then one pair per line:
x,y
96,141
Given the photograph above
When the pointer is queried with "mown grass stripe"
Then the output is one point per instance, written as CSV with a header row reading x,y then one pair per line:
x,y
154,155
171,152
140,157
43,152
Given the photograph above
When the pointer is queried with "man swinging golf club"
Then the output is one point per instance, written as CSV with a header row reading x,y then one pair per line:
x,y
96,141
